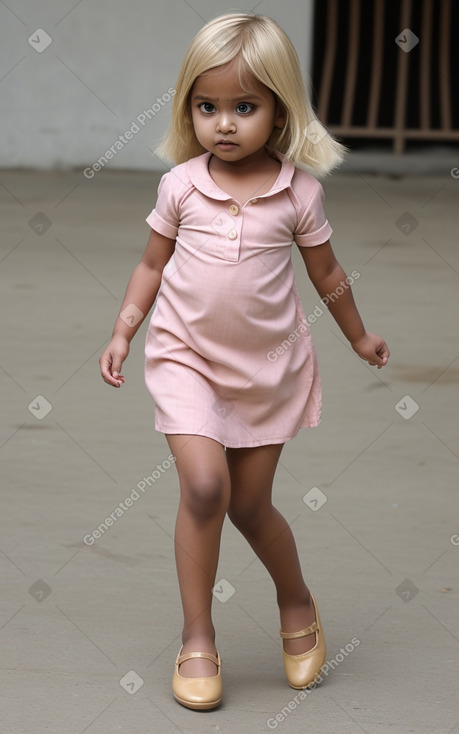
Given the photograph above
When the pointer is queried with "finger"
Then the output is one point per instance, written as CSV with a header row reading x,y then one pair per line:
x,y
105,367
375,360
115,381
117,363
118,378
381,362
106,372
111,380
383,353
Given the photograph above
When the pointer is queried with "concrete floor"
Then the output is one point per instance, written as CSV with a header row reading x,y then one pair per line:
x,y
89,633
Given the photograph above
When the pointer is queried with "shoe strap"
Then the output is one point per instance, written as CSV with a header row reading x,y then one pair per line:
x,y
314,627
189,655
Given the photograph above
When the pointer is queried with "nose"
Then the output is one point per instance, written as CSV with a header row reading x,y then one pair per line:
x,y
225,123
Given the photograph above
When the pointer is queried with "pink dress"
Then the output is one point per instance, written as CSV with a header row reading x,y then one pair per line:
x,y
229,354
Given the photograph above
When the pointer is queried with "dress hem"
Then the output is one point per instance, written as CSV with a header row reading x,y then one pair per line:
x,y
231,445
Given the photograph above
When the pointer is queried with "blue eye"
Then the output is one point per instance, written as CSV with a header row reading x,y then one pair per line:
x,y
207,108
244,108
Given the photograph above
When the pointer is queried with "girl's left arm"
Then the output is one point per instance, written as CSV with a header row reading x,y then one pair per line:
x,y
329,279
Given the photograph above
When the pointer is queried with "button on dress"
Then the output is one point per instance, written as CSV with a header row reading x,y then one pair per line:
x,y
228,351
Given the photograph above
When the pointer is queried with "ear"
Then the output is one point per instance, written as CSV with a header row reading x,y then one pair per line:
x,y
280,116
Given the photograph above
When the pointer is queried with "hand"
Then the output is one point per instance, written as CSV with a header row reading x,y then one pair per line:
x,y
372,348
112,360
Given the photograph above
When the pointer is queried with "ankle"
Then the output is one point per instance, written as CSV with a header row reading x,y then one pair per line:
x,y
302,600
200,641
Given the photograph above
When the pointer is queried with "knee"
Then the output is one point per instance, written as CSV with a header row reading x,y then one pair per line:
x,y
246,516
205,495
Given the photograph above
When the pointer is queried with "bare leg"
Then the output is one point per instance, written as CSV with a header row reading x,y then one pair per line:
x,y
266,530
204,498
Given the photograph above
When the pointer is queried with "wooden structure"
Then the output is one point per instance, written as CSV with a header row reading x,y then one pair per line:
x,y
365,49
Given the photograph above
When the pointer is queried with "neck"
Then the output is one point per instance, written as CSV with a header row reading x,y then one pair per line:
x,y
259,159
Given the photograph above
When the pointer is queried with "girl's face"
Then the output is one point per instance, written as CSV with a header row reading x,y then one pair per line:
x,y
230,122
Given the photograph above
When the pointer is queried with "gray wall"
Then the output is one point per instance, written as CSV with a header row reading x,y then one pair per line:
x,y
108,63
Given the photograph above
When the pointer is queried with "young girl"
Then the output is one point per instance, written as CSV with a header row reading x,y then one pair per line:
x,y
230,361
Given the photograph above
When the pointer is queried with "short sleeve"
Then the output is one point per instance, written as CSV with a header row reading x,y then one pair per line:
x,y
313,227
165,216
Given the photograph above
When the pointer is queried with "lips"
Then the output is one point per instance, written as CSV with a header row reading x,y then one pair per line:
x,y
226,144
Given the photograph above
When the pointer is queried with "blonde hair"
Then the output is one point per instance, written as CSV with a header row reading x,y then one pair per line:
x,y
265,52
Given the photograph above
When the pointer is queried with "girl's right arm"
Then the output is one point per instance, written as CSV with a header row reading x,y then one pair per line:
x,y
140,295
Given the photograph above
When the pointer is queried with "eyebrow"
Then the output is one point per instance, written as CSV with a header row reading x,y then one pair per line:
x,y
205,98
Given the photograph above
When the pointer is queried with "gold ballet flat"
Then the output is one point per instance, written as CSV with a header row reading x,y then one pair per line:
x,y
302,670
198,693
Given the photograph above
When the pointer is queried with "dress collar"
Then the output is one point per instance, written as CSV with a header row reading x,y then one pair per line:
x,y
198,171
